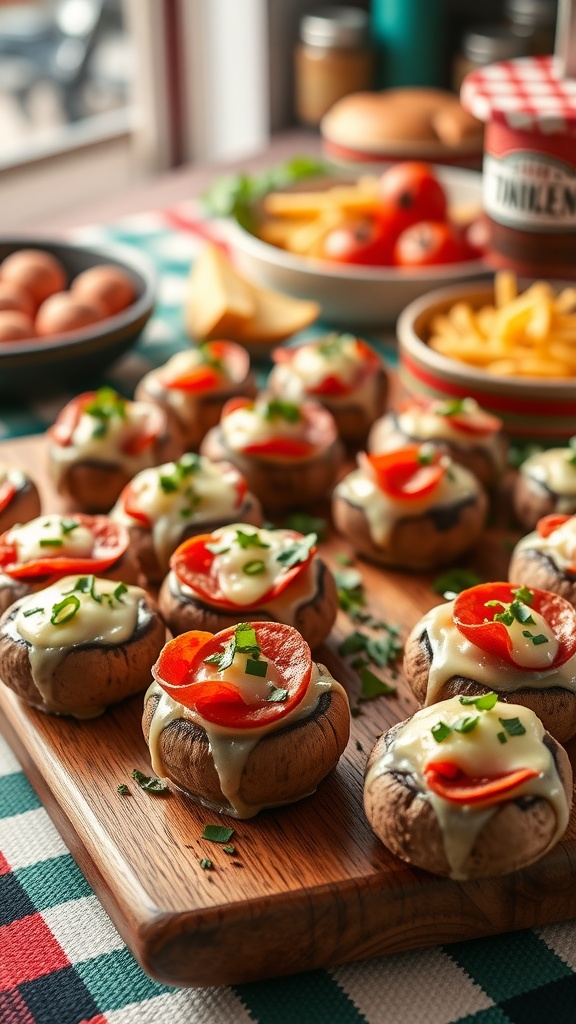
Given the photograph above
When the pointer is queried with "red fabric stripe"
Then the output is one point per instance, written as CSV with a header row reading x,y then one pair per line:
x,y
525,406
29,950
4,865
195,227
13,1009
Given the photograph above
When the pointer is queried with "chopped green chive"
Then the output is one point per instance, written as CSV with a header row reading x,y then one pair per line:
x,y
32,611
277,695
451,407
122,789
513,726
466,723
425,455
298,552
276,408
440,731
206,864
64,610
249,540
68,525
484,703
230,849
119,591
51,542
254,568
536,638
501,737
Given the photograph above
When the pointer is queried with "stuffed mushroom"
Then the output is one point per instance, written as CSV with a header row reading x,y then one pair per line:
x,y
244,719
546,558
412,508
470,788
239,573
79,645
546,484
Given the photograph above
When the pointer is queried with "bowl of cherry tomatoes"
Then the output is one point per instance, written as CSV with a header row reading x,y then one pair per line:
x,y
366,248
67,311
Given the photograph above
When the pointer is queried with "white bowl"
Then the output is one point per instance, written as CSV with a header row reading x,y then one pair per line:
x,y
352,295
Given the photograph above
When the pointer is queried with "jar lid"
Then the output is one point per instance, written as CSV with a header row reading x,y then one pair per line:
x,y
527,94
341,27
484,44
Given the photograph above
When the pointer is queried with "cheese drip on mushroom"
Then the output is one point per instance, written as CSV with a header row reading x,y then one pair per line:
x,y
555,469
252,423
231,748
164,382
559,546
454,655
96,441
313,363
62,617
421,423
175,495
382,512
480,754
51,536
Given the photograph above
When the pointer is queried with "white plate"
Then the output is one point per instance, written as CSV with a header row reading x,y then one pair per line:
x,y
356,295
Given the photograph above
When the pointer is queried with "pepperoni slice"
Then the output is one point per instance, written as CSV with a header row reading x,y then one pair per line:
x,y
110,542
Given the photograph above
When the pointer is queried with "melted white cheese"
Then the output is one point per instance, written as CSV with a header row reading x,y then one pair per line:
x,y
454,655
248,425
479,754
84,445
231,748
559,546
183,401
31,539
420,423
294,388
14,476
555,470
383,512
209,493
109,621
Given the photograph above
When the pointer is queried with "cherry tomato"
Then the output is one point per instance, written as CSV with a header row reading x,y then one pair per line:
x,y
193,563
447,780
409,193
471,611
365,242
476,421
221,702
403,475
430,243
111,540
318,431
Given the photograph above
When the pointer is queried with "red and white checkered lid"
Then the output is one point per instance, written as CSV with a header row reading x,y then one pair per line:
x,y
528,94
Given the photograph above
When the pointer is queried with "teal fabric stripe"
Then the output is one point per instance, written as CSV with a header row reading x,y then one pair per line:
x,y
507,965
493,1015
116,979
53,881
16,795
312,998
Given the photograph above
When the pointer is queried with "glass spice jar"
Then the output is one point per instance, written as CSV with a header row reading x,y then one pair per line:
x,y
333,59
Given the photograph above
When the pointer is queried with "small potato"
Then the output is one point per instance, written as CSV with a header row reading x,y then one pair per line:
x,y
15,326
37,271
63,312
12,296
106,286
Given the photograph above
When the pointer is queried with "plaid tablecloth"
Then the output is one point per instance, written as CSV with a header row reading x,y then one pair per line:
x,y
61,959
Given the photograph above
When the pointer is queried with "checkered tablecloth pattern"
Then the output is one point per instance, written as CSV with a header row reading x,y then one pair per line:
x,y
61,959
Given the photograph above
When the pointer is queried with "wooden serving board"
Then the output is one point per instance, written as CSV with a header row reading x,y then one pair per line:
x,y
309,885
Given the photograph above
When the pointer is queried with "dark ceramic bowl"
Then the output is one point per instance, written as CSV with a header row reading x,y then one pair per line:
x,y
48,364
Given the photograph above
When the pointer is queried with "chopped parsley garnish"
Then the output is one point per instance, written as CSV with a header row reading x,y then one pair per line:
x,y
206,864
106,404
32,611
450,584
513,726
484,703
64,610
501,736
331,345
229,848
277,694
372,686
353,643
304,523
536,638
249,540
276,408
425,455
451,408
466,724
217,833
515,610
298,552
256,668
208,357
68,525
51,542
172,481
122,789
254,568
242,641
149,783
119,591
440,731
348,579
